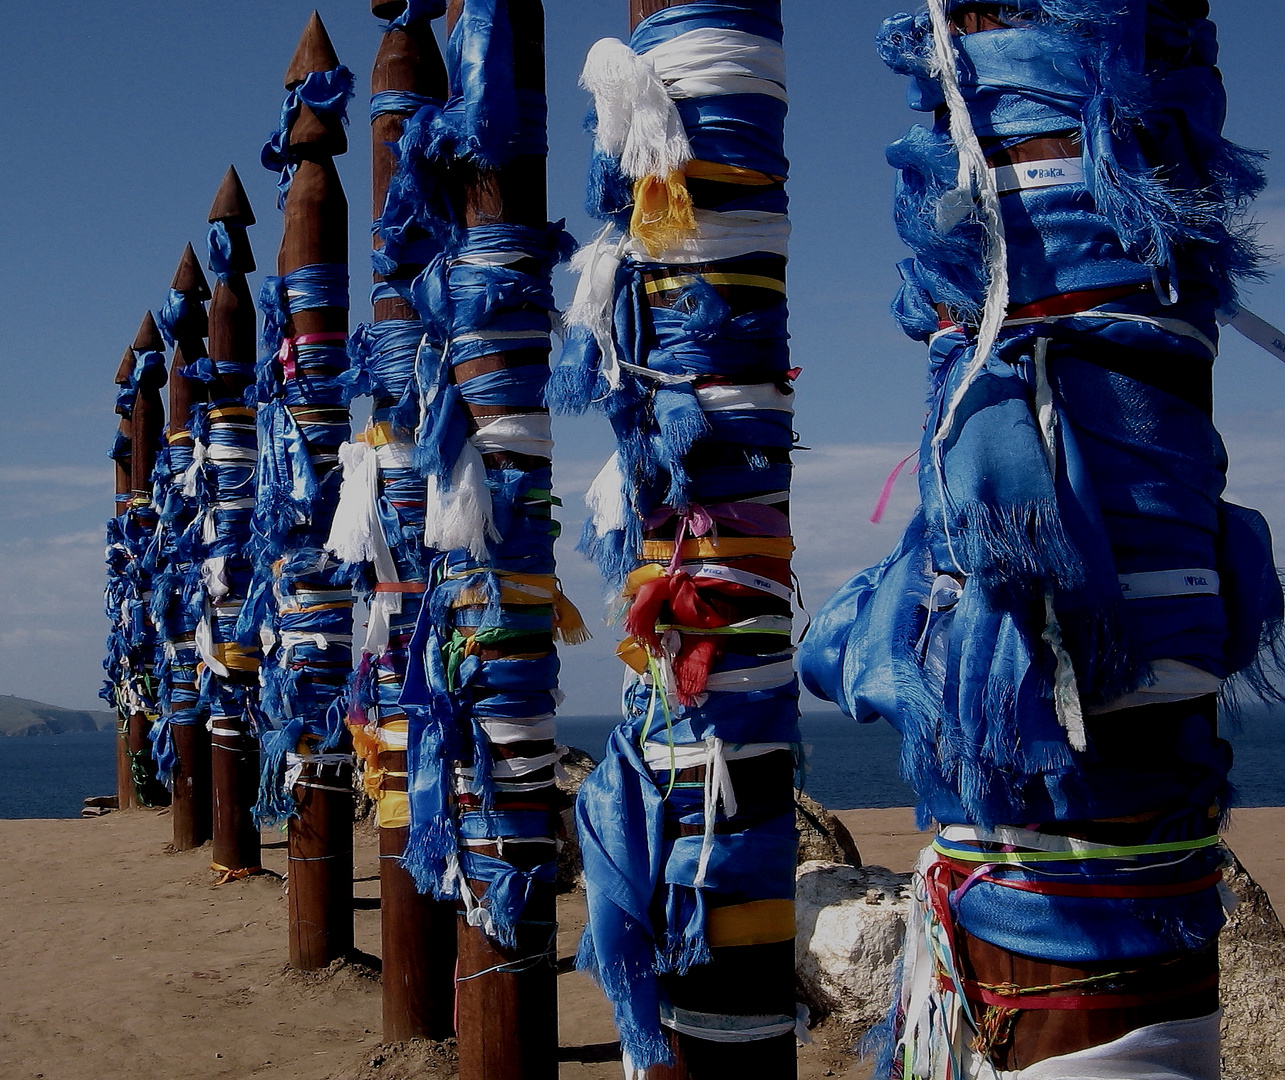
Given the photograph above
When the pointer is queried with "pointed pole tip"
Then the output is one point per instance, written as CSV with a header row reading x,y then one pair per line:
x,y
189,277
126,368
231,205
314,53
148,336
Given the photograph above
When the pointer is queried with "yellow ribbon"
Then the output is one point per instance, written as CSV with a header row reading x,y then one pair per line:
x,y
729,174
759,922
663,215
723,547
533,589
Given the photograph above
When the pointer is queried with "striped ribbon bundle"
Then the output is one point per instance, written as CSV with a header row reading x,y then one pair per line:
x,y
176,554
379,522
133,647
1052,631
300,600
226,449
465,513
677,332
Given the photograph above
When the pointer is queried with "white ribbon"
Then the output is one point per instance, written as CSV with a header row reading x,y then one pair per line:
x,y
521,433
711,61
637,120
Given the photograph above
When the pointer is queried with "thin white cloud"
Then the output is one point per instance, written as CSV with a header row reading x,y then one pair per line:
x,y
61,476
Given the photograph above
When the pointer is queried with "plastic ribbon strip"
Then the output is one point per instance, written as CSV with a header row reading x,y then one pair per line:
x,y
1073,213
1141,919
134,651
456,549
299,602
677,332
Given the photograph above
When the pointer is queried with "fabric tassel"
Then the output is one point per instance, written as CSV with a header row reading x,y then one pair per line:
x,y
352,530
637,121
461,516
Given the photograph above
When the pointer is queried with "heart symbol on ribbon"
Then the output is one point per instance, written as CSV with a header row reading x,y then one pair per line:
x,y
1031,174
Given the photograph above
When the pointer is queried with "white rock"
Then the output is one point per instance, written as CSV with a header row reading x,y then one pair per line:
x,y
851,924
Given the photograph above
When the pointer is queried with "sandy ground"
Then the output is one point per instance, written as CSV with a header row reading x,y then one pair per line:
x,y
119,959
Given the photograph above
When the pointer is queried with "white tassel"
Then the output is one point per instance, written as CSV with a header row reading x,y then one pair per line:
x,y
637,121
204,641
461,517
350,532
595,296
199,454
606,498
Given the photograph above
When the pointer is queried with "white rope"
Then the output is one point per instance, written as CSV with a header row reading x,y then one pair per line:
x,y
975,188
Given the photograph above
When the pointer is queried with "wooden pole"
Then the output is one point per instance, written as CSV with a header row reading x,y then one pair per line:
x,y
190,783
508,1019
232,347
417,931
125,799
742,980
315,231
147,423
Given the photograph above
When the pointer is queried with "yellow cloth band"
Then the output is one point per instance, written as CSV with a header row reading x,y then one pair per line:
x,y
232,411
568,623
760,922
679,281
729,174
392,810
232,655
725,547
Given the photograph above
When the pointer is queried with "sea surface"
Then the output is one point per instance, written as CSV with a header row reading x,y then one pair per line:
x,y
849,765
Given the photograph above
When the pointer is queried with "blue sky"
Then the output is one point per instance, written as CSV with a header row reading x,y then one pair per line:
x,y
119,120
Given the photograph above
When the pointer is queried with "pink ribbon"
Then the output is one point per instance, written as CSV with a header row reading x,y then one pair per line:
x,y
286,354
888,485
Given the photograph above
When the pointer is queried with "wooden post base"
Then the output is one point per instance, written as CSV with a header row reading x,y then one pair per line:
x,y
191,809
234,776
508,1020
125,799
321,866
418,936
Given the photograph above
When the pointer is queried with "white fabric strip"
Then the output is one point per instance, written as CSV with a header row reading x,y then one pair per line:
x,y
1031,175
295,764
1170,326
1259,331
637,120
719,398
463,515
291,638
1173,1050
720,572
663,757
1169,583
502,335
606,498
522,433
356,532
711,61
218,452
1011,836
724,236
396,455
507,768
491,258
205,645
502,732
745,680
393,740
720,1028
1172,680
759,624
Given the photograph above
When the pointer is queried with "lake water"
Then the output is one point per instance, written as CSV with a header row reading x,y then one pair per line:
x,y
850,765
